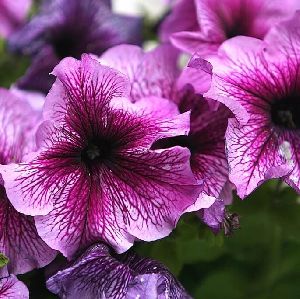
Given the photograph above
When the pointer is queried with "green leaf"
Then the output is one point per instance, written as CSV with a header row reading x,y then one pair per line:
x,y
3,260
226,283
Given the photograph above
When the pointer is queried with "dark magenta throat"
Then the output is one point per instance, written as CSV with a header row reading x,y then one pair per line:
x,y
96,151
286,113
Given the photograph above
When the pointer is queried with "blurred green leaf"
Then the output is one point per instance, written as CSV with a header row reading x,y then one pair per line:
x,y
3,260
11,68
226,283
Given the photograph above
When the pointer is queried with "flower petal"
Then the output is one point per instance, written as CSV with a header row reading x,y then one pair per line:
x,y
17,123
100,274
284,37
124,58
12,15
151,74
12,288
194,42
290,150
198,73
37,76
254,155
183,17
19,240
158,108
213,216
85,76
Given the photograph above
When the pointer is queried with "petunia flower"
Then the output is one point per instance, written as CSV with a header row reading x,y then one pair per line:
x,y
154,75
19,240
202,25
95,176
259,81
99,273
64,28
12,15
12,288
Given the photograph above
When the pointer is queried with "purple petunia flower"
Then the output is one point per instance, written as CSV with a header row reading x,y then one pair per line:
x,y
202,25
259,81
19,240
154,75
66,28
99,273
12,288
12,15
95,176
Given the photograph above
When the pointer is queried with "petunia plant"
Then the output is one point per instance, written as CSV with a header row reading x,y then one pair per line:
x,y
127,171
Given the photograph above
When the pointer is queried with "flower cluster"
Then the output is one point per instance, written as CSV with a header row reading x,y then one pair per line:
x,y
117,143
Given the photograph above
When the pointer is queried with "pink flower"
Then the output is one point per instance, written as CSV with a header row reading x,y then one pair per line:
x,y
19,240
96,176
202,25
155,76
259,81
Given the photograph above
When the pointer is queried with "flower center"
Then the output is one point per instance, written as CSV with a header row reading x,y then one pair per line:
x,y
66,45
240,21
96,152
286,113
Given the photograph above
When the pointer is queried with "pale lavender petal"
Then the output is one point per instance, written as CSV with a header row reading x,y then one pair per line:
x,y
35,99
39,200
124,58
151,73
18,121
194,42
290,150
12,15
284,37
198,73
213,216
183,17
12,288
156,73
203,201
226,193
